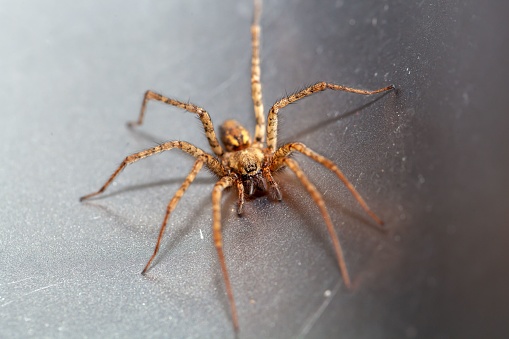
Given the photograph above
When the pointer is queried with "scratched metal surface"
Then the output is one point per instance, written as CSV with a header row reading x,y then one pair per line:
x,y
431,160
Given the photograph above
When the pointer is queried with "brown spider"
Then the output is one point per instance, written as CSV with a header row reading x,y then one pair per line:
x,y
247,166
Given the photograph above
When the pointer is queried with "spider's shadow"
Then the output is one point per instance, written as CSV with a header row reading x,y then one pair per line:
x,y
131,188
175,236
171,236
140,134
293,202
321,124
309,130
310,218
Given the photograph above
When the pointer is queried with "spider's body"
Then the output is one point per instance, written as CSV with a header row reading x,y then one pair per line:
x,y
242,158
245,165
248,162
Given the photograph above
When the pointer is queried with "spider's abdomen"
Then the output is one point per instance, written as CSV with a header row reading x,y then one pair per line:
x,y
234,136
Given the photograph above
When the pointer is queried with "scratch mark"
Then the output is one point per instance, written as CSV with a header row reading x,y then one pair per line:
x,y
7,303
201,234
40,289
17,281
310,322
359,178
224,85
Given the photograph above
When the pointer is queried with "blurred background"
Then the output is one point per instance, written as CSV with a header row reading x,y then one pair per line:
x,y
431,159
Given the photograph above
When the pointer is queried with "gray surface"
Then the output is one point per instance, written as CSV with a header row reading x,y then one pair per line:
x,y
431,160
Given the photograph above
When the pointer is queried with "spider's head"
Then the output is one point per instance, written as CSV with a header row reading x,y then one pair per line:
x,y
247,162
234,136
248,165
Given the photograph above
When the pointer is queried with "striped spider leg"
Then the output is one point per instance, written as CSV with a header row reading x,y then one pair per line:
x,y
245,165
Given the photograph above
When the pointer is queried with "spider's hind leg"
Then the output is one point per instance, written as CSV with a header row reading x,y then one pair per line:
x,y
202,114
256,86
272,118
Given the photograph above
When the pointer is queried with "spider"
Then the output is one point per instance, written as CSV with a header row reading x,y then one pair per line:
x,y
245,164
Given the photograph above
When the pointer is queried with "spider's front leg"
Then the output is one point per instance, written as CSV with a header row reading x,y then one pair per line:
x,y
171,206
281,159
284,151
317,197
217,192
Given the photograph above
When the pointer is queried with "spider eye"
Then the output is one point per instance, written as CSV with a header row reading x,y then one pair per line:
x,y
251,167
234,136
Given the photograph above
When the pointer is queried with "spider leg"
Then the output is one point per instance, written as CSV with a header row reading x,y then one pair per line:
x,y
279,160
318,87
256,87
274,190
171,206
202,114
240,190
212,163
220,186
317,197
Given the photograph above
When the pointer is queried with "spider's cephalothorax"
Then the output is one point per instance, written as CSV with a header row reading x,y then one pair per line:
x,y
244,159
246,166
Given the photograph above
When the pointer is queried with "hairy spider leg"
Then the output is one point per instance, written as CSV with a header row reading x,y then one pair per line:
x,y
241,196
317,197
318,87
274,190
172,204
256,86
212,163
285,150
202,114
217,192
